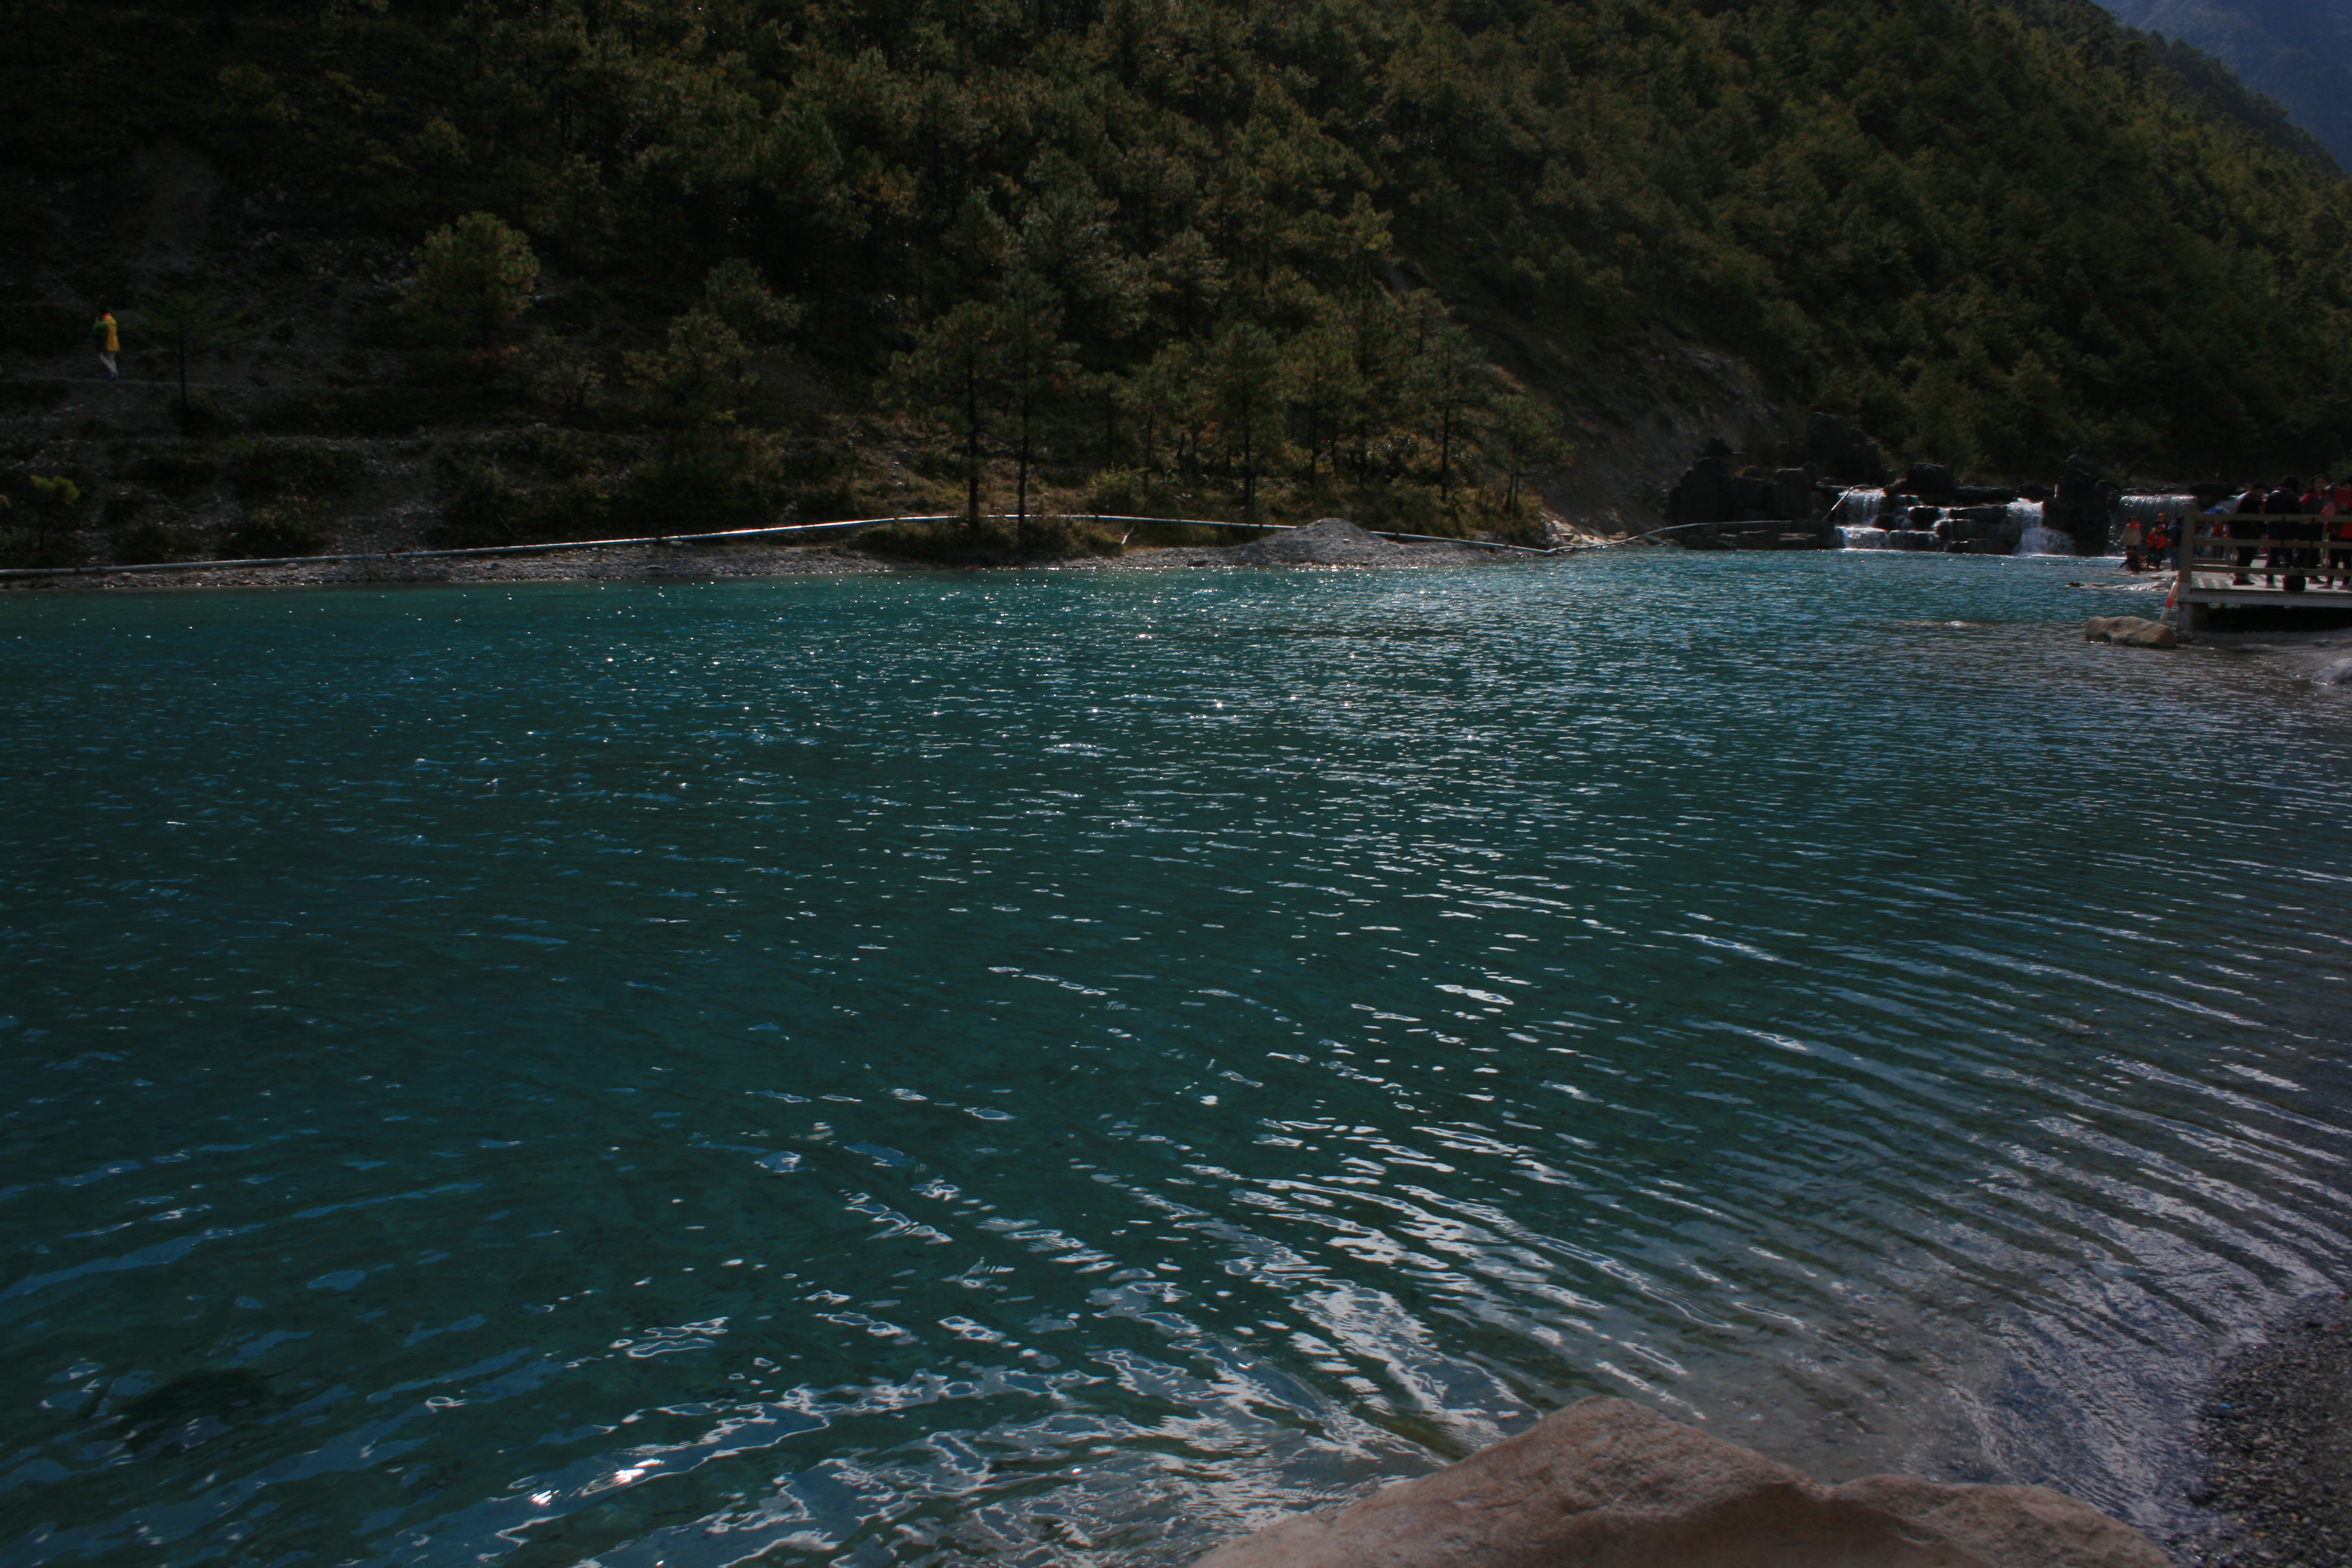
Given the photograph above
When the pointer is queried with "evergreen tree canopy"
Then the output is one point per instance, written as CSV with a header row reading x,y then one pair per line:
x,y
1989,241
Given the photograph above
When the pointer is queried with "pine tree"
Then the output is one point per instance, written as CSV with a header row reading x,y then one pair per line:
x,y
950,381
472,279
191,325
1033,364
1241,365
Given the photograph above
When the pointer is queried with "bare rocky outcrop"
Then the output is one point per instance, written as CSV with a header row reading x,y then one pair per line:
x,y
1609,1484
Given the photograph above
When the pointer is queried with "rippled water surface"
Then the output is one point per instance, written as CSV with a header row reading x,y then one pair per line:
x,y
1059,1068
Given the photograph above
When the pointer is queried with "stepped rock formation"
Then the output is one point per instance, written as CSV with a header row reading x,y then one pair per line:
x,y
1609,1484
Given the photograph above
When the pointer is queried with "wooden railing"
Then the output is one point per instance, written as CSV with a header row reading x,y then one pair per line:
x,y
2214,544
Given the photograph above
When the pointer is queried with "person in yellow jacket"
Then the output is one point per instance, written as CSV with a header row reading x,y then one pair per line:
x,y
110,342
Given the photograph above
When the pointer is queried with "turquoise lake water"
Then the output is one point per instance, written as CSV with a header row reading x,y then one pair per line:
x,y
1058,1068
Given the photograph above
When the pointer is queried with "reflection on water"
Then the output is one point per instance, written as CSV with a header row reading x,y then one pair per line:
x,y
1060,1066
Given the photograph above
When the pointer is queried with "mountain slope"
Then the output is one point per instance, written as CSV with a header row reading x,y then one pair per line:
x,y
2298,52
1262,256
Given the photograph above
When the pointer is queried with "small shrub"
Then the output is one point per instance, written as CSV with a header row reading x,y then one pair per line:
x,y
150,539
264,469
490,509
38,521
552,450
565,374
290,525
201,417
40,329
177,470
31,393
661,499
811,462
995,541
824,503
372,411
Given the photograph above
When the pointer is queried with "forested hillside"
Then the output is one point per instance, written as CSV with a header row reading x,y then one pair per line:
x,y
1279,256
2298,52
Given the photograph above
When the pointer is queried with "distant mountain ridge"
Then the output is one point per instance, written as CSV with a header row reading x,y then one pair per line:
x,y
2295,52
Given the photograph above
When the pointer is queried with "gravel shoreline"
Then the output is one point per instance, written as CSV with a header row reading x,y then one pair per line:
x,y
2278,1428
1326,543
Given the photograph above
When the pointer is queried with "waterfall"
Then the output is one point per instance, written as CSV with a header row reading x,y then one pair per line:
x,y
2036,537
1855,517
2147,509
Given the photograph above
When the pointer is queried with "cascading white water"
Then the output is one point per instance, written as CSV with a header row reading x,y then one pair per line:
x,y
1855,516
2036,536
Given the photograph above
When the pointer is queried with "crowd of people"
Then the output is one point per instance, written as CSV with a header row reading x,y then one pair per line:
x,y
2155,543
2298,524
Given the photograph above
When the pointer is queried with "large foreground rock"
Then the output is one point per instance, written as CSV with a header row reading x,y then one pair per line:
x,y
1608,1484
2129,631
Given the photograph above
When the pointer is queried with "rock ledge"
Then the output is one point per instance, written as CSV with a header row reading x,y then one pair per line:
x,y
1608,1484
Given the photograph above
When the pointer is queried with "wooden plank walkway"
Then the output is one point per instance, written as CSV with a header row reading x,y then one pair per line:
x,y
2248,558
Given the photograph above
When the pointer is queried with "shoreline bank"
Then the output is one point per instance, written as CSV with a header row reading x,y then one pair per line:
x,y
1329,543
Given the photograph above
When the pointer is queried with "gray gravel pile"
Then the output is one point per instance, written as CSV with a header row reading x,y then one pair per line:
x,y
2279,1428
1336,541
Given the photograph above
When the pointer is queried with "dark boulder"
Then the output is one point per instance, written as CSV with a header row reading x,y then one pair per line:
x,y
1929,479
2084,502
1840,450
1986,495
1792,494
1698,496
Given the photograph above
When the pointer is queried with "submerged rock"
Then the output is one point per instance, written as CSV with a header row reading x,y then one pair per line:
x,y
2129,631
1608,1484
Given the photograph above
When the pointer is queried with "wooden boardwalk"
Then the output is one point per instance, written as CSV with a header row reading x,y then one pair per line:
x,y
2250,558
